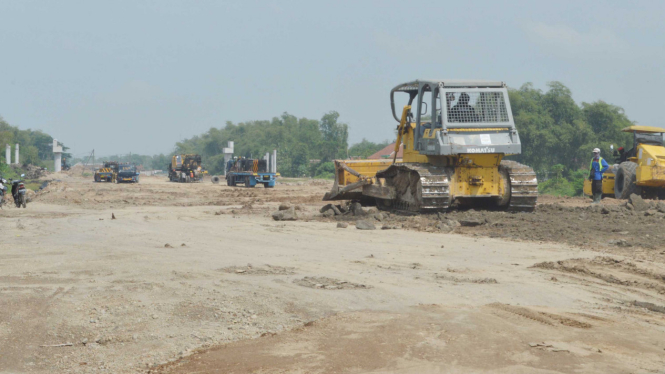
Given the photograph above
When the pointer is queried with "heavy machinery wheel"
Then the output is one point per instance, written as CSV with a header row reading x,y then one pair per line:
x,y
214,179
625,181
97,178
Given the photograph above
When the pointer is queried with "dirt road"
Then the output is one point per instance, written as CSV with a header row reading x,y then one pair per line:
x,y
200,279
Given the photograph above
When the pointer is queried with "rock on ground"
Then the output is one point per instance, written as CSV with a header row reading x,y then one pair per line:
x,y
284,206
357,209
638,203
285,215
365,225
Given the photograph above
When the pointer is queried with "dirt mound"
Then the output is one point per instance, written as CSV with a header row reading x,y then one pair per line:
x,y
576,223
30,171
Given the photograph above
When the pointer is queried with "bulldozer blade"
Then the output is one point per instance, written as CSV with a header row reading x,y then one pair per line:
x,y
347,192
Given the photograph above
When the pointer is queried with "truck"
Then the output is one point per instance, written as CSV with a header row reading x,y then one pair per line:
x,y
107,173
127,173
249,172
186,169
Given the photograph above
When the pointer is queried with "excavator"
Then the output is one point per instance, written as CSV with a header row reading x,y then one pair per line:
x,y
453,154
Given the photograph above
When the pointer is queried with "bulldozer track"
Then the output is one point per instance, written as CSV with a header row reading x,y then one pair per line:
x,y
434,189
433,195
523,186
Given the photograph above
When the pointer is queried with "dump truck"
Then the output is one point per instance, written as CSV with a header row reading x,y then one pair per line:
x,y
186,168
641,170
107,173
249,172
127,173
453,153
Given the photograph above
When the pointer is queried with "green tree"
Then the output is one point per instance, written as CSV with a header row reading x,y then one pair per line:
x,y
333,137
366,148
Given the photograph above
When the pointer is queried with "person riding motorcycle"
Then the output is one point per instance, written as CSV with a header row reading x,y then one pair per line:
x,y
3,190
17,187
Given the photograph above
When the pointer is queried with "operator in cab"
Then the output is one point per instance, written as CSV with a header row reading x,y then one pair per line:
x,y
597,168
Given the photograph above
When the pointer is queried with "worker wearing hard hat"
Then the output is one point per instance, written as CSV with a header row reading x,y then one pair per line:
x,y
597,168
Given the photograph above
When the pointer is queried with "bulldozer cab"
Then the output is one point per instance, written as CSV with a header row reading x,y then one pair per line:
x,y
459,117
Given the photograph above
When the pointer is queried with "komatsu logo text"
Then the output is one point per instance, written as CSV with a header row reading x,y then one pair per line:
x,y
481,150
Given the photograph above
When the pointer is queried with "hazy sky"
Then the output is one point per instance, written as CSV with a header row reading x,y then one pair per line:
x,y
121,76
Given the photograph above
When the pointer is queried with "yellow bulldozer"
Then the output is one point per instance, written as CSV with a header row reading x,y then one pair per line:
x,y
641,170
453,152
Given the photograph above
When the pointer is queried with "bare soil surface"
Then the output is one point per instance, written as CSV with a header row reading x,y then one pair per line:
x,y
198,278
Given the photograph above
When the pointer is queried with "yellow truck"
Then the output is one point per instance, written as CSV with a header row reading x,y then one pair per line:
x,y
641,169
107,173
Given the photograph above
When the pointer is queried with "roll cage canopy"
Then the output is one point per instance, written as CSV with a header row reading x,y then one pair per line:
x,y
413,88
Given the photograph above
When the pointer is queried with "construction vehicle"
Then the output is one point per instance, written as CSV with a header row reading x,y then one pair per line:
x,y
107,173
186,168
127,173
452,155
641,170
249,172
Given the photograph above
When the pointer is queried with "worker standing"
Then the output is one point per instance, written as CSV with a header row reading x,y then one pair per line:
x,y
596,170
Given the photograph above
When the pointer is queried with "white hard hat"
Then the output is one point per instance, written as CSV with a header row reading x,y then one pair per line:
x,y
596,150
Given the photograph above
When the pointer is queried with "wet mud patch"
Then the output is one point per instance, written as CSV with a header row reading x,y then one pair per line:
x,y
328,283
258,270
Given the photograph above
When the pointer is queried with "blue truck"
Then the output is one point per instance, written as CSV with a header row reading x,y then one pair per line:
x,y
249,172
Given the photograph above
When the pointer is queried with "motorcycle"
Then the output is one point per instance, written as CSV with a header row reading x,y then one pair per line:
x,y
3,191
18,192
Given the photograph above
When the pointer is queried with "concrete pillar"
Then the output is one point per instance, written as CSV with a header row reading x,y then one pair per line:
x,y
228,154
16,154
57,156
8,154
274,161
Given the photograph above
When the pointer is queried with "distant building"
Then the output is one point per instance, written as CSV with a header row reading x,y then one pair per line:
x,y
388,152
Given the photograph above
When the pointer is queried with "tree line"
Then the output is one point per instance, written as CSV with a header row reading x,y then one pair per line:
x,y
36,147
558,135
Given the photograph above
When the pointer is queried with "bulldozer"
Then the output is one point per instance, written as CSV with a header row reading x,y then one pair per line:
x,y
641,170
453,154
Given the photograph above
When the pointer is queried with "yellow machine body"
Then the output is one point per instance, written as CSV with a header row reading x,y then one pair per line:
x,y
453,154
476,174
650,165
608,185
